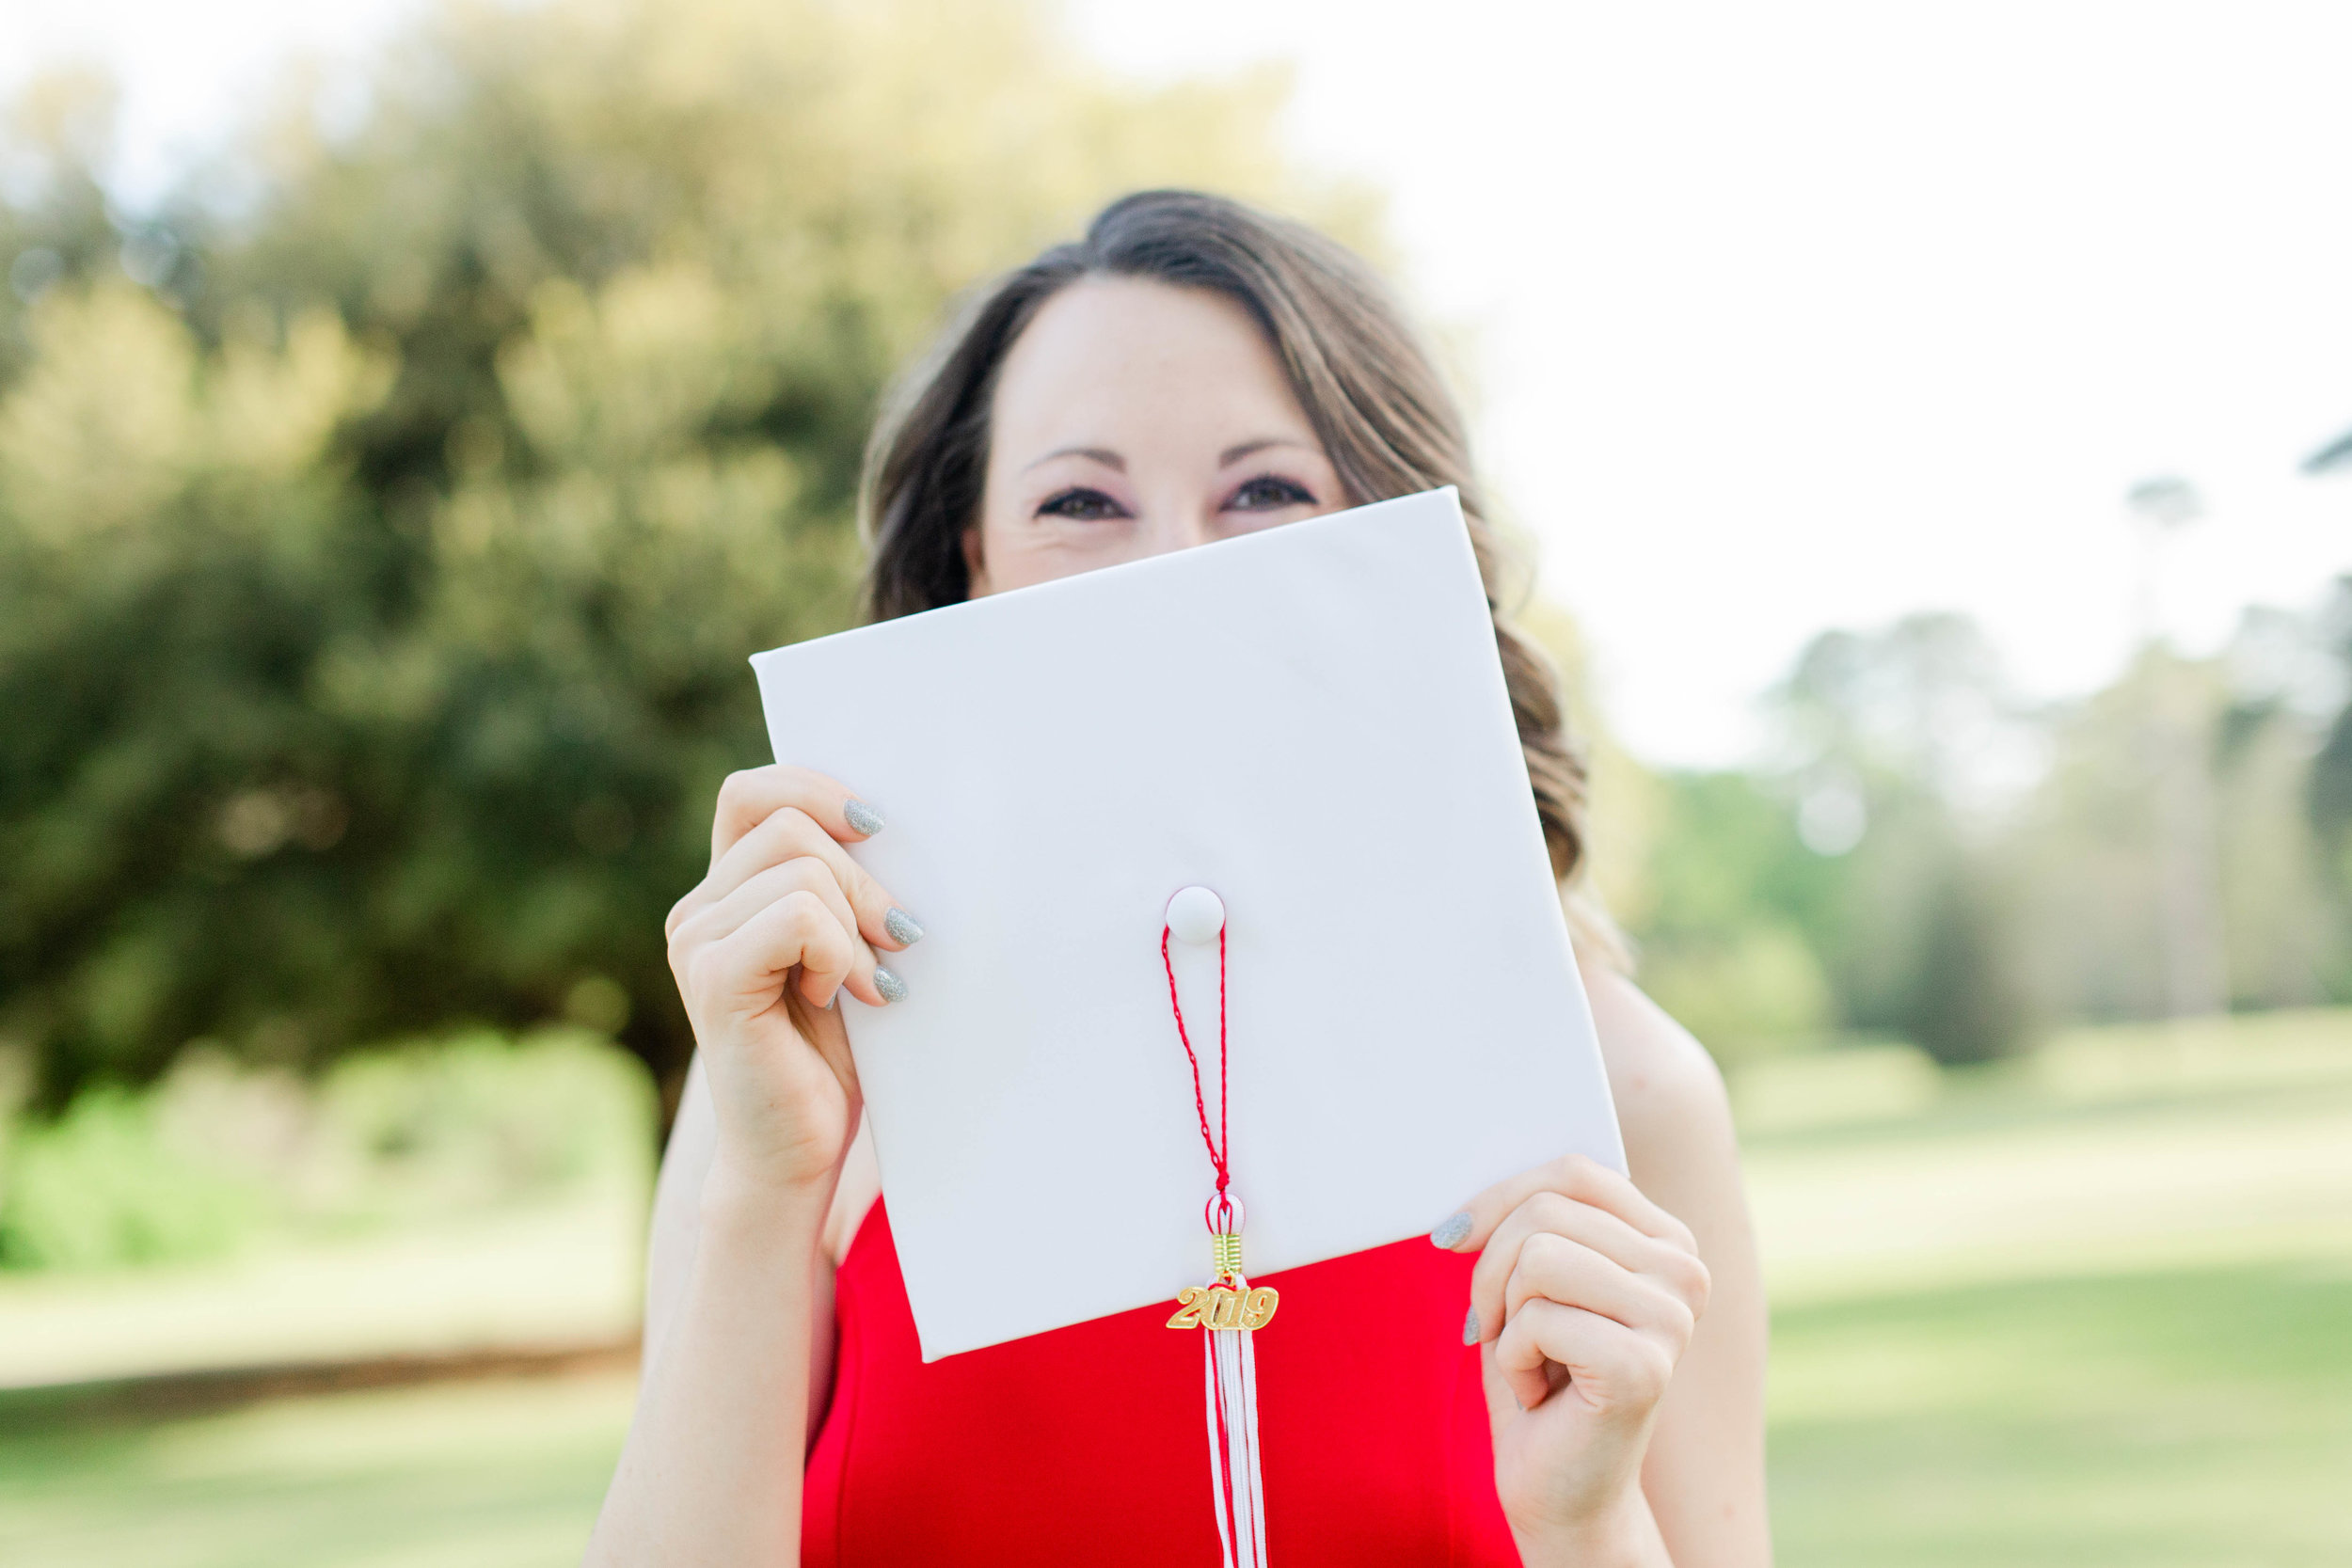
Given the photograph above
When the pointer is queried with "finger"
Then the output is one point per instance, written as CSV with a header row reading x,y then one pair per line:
x,y
1573,1175
783,835
823,1028
805,874
799,874
1547,1212
1608,1364
789,833
749,798
745,973
1553,1268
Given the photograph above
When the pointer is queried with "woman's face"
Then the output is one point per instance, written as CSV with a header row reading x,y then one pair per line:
x,y
1134,418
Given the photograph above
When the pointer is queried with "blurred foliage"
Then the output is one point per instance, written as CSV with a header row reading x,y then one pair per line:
x,y
1924,856
216,1155
1731,942
386,515
386,518
1850,883
98,1186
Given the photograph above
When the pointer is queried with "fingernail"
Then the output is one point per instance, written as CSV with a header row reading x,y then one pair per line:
x,y
1453,1233
865,818
903,929
1469,1327
892,988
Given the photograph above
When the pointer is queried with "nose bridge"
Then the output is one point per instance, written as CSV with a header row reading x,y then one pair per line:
x,y
1178,522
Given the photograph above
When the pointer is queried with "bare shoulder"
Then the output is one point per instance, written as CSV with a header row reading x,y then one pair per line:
x,y
1670,1096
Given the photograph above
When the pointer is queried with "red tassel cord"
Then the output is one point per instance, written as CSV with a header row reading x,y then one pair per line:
x,y
1226,1310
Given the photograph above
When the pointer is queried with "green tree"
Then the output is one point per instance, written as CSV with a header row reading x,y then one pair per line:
x,y
376,580
2328,799
1911,732
2282,903
1733,903
55,229
1966,997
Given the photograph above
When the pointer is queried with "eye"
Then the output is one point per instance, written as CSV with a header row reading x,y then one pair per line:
x,y
1081,505
1269,493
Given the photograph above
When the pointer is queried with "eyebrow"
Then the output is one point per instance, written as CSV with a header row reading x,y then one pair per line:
x,y
1104,455
1234,454
1112,461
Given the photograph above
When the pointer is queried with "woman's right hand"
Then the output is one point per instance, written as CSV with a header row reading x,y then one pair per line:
x,y
784,921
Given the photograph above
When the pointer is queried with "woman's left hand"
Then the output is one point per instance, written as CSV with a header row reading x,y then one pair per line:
x,y
1583,1300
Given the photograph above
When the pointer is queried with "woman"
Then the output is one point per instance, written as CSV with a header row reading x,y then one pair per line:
x,y
1189,371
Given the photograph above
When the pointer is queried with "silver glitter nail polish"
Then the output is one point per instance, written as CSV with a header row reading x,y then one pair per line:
x,y
902,928
1453,1233
865,818
1469,1327
892,988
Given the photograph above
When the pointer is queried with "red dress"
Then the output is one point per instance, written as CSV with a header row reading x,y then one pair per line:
x,y
1088,1444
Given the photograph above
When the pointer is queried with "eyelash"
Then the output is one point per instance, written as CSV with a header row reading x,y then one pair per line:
x,y
1082,503
1063,503
1290,491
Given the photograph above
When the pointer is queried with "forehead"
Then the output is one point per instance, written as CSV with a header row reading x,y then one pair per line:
x,y
1124,354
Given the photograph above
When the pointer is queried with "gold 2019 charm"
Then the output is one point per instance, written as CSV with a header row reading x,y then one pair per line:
x,y
1216,1306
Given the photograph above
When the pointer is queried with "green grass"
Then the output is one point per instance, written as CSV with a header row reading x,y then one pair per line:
x,y
505,1474
2094,1309
2090,1308
2153,1419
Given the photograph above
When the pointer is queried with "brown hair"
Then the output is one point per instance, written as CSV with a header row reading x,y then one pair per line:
x,y
1369,386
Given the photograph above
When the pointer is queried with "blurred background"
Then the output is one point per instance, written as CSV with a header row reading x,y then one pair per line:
x,y
1932,435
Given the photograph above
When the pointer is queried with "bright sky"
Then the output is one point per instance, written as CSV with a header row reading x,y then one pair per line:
x,y
1790,316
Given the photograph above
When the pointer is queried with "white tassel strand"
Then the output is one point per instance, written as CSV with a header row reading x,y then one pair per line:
x,y
1230,1384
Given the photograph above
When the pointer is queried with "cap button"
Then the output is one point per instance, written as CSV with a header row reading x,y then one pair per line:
x,y
1196,915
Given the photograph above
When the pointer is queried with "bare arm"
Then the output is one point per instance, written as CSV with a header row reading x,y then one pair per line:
x,y
739,1293
678,1193
676,1229
711,1471
1703,1475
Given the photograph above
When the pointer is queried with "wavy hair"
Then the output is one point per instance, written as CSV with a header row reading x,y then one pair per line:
x,y
1370,388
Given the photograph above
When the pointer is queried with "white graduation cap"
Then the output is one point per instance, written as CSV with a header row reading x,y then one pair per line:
x,y
1310,721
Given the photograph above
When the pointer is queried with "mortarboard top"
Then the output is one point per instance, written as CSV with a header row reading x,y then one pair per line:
x,y
1310,720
